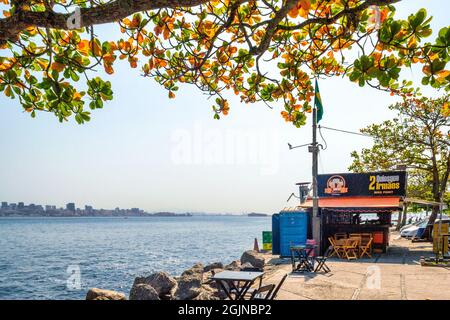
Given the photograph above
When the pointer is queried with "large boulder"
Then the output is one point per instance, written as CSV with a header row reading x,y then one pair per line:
x,y
208,293
190,283
142,291
205,295
188,288
162,282
247,265
196,269
233,266
214,265
254,258
102,294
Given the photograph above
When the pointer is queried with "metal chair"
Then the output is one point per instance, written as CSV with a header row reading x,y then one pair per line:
x,y
271,290
262,293
321,260
275,292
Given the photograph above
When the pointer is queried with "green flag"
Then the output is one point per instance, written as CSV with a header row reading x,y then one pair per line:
x,y
318,103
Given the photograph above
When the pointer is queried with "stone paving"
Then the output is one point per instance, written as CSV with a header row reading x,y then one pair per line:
x,y
396,275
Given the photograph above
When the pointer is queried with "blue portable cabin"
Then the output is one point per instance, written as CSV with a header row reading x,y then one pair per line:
x,y
296,223
294,229
276,233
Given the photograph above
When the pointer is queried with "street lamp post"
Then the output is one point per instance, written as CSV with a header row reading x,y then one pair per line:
x,y
314,149
315,219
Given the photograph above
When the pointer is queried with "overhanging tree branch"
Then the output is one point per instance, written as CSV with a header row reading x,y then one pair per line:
x,y
10,27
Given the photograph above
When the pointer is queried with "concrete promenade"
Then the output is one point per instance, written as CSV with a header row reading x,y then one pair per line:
x,y
396,275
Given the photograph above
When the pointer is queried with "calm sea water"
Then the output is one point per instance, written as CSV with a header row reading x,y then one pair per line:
x,y
39,255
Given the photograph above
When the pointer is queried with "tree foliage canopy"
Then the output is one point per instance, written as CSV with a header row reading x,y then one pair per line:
x,y
418,138
262,50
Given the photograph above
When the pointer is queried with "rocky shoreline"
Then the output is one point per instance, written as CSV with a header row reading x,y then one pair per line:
x,y
193,284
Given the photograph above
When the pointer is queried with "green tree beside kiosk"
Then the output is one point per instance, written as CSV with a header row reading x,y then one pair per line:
x,y
419,138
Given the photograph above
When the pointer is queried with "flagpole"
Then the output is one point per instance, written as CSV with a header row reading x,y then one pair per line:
x,y
316,222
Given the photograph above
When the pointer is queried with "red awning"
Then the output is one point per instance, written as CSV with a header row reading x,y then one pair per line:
x,y
349,203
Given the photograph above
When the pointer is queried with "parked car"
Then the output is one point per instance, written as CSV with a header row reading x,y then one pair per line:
x,y
407,226
417,229
414,230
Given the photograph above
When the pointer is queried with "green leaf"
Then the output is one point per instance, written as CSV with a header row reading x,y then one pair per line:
x,y
425,81
418,18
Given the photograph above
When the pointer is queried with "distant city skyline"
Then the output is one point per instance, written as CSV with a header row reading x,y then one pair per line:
x,y
9,208
21,208
67,206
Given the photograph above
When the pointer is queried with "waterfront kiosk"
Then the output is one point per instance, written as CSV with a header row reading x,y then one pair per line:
x,y
359,203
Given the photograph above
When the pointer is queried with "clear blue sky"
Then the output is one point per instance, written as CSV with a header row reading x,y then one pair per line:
x,y
144,150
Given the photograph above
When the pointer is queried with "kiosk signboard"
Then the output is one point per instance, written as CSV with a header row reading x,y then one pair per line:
x,y
372,184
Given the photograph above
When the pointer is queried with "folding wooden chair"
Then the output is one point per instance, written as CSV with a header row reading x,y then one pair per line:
x,y
321,260
336,248
357,239
350,247
365,247
353,235
340,235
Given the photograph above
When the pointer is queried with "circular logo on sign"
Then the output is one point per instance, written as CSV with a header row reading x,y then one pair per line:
x,y
336,185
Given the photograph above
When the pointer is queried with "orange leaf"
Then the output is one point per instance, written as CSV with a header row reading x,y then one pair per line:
x,y
42,63
160,63
109,69
443,73
293,13
133,62
76,96
305,4
140,38
57,66
96,48
446,110
166,33
126,21
83,47
157,30
303,13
